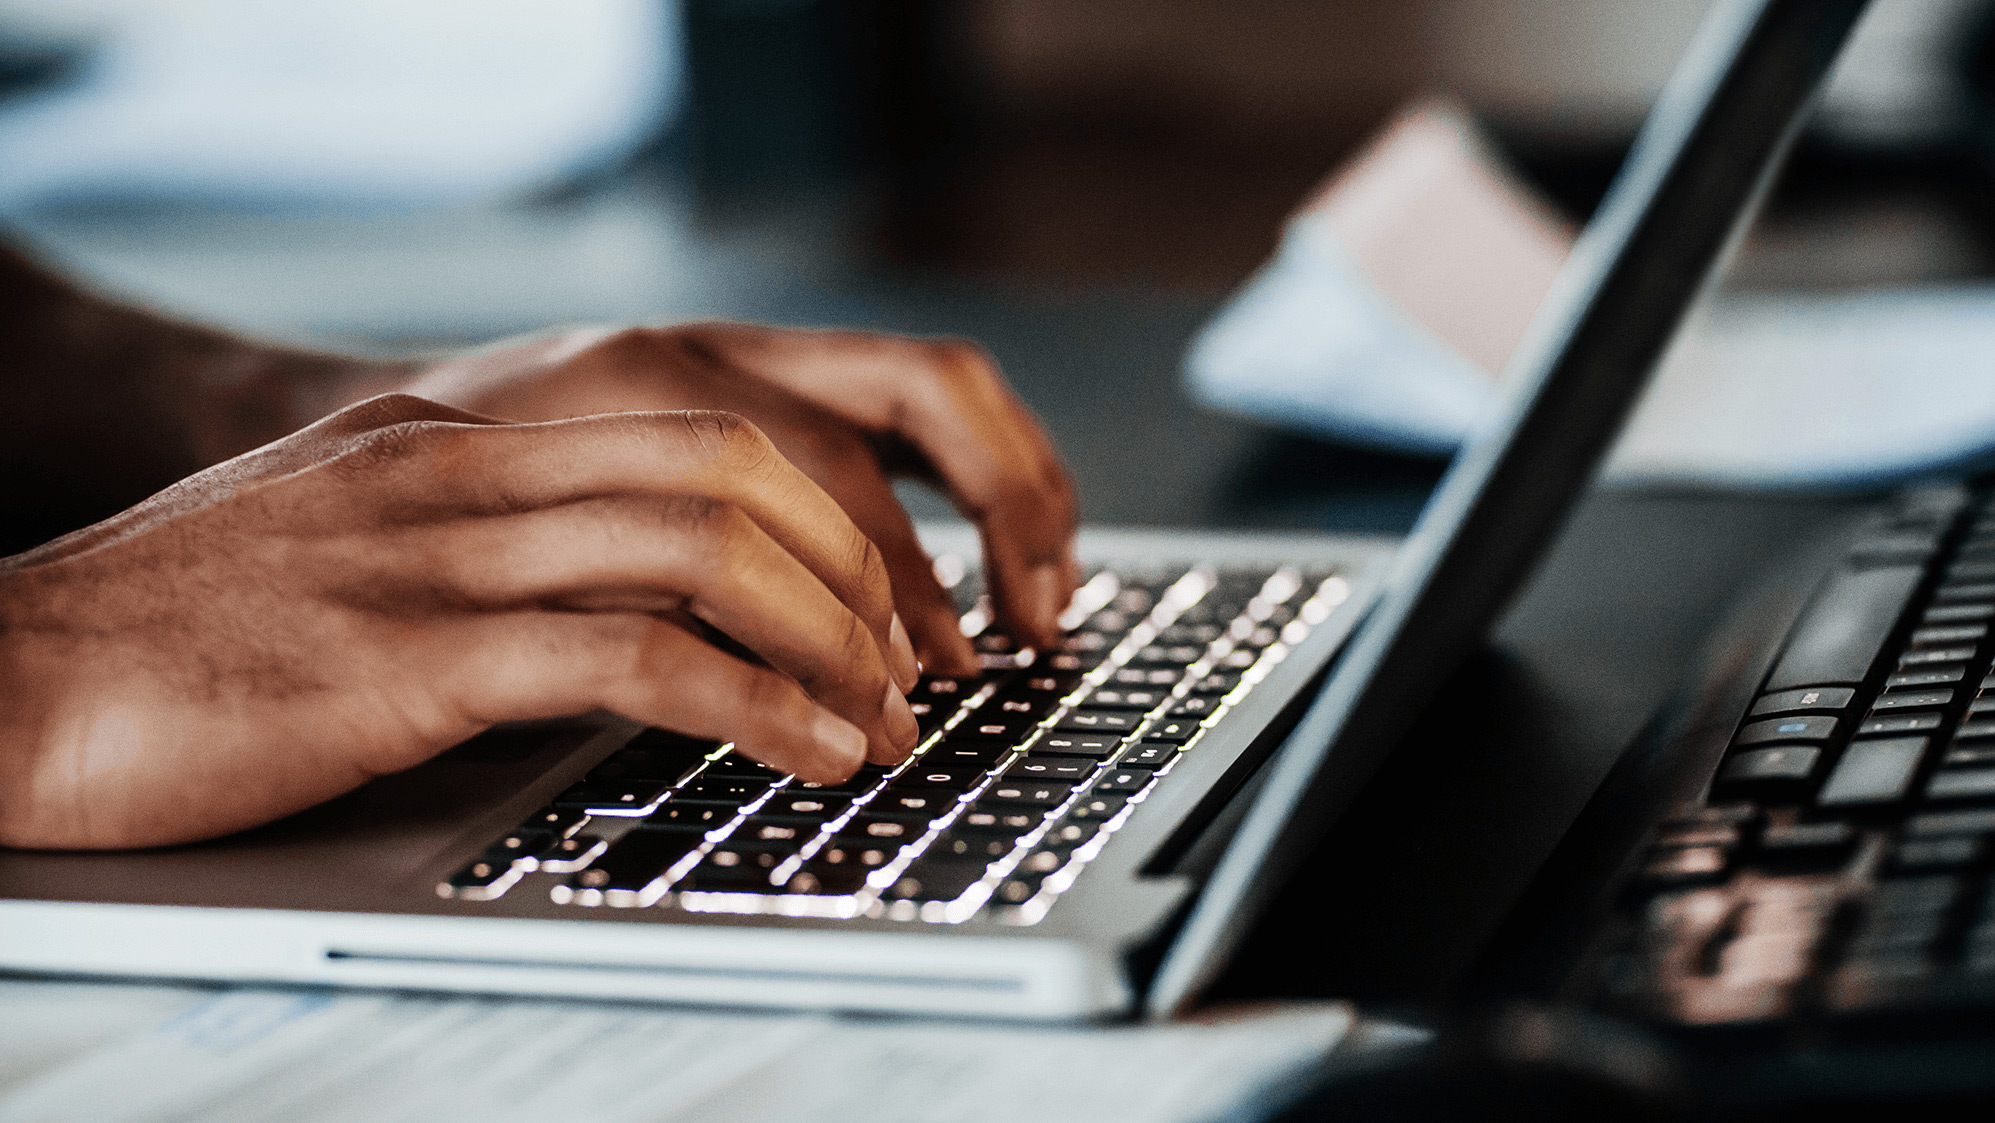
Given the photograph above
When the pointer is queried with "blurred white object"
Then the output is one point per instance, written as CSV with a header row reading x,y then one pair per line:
x,y
1812,389
1398,289
1407,282
341,101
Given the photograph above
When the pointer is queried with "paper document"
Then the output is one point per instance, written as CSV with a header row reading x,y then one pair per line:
x,y
332,1057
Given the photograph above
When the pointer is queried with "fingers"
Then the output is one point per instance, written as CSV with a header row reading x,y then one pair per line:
x,y
532,664
652,555
926,607
948,400
521,467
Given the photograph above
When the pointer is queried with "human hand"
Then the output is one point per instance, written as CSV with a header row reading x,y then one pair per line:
x,y
352,599
850,409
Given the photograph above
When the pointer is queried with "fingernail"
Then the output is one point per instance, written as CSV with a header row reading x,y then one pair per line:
x,y
901,724
841,740
1049,597
909,668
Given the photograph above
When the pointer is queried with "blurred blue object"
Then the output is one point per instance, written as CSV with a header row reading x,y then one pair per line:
x,y
344,102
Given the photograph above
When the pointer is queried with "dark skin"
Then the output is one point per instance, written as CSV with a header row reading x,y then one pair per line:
x,y
290,583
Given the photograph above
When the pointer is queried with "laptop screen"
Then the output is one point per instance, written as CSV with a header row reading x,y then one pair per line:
x,y
1684,193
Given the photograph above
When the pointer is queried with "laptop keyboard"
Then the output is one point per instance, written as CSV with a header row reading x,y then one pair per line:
x,y
1021,775
1840,864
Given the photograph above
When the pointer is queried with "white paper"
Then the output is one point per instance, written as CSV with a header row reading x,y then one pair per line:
x,y
1792,389
329,1057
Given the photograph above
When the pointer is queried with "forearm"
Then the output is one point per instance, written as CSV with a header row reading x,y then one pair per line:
x,y
106,404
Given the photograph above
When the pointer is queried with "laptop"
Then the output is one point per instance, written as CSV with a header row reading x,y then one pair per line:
x,y
1083,833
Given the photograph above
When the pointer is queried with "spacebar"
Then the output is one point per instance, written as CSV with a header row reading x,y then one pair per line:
x,y
1838,637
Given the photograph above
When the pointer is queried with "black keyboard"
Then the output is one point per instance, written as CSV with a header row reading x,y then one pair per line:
x,y
1022,773
1838,868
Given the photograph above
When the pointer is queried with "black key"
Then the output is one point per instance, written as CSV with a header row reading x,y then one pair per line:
x,y
1070,835
931,879
1920,658
1912,700
1981,820
1969,756
735,790
1797,728
740,853
1019,888
943,692
1975,730
1958,613
928,717
820,878
665,759
983,726
1097,721
1197,707
1012,820
485,879
715,875
1788,763
994,643
1040,687
566,855
862,854
1124,781
1829,840
885,830
1915,895
1140,699
1971,570
1095,807
1033,793
1045,861
1172,730
1150,754
1027,709
1873,772
1217,683
1797,701
704,816
1100,637
1162,678
1167,655
610,798
519,844
561,821
1068,661
1952,591
1898,723
922,804
929,777
971,846
638,859
1838,636
1095,746
1951,634
788,834
1072,769
736,767
865,780
1183,633
1966,783
1238,660
803,805
981,756
1928,854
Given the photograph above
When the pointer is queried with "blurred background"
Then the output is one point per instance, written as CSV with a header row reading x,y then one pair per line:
x,y
1076,184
